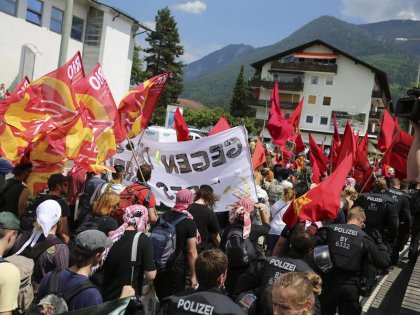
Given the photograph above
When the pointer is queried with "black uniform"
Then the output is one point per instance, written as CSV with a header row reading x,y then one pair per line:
x,y
415,228
381,215
261,276
210,301
350,249
402,207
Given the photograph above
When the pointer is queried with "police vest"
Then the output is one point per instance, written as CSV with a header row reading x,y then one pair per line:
x,y
206,302
376,207
276,266
273,268
345,246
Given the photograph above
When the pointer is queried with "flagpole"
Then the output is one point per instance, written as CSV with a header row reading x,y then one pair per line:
x,y
135,158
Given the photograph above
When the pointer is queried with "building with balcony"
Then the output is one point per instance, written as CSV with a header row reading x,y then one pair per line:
x,y
31,35
331,82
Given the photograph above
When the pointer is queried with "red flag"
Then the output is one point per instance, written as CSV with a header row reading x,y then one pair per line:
x,y
258,157
321,202
21,86
137,106
335,147
221,125
362,169
348,146
387,131
356,137
318,155
286,155
294,119
316,175
299,145
47,103
278,127
396,155
182,132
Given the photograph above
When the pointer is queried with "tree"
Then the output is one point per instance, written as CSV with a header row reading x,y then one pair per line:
x,y
163,54
241,93
137,75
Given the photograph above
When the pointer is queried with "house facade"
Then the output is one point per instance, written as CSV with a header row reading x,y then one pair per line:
x,y
31,35
331,82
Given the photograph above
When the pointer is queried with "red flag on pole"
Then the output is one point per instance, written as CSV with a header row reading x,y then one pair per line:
x,y
294,119
221,125
299,145
348,146
397,153
182,132
278,127
318,155
387,132
335,147
316,175
137,106
362,169
258,157
321,202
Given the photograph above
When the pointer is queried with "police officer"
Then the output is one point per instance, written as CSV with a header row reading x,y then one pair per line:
x,y
210,267
262,275
350,248
415,227
402,207
380,213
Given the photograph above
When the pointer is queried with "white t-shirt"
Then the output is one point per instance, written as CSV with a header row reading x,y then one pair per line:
x,y
277,211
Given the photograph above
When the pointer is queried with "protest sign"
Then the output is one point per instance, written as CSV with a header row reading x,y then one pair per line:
x,y
222,161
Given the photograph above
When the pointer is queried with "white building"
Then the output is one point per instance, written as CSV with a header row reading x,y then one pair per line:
x,y
331,81
30,35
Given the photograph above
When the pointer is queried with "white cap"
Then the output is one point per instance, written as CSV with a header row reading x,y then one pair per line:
x,y
48,213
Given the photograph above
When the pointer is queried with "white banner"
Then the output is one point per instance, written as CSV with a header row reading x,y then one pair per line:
x,y
222,161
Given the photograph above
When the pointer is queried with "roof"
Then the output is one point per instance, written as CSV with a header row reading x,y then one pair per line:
x,y
135,21
382,77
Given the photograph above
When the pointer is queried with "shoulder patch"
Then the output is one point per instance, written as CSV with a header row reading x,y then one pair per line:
x,y
52,250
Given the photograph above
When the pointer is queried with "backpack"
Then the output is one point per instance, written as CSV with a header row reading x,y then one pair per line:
x,y
129,197
3,192
56,302
26,291
164,242
240,252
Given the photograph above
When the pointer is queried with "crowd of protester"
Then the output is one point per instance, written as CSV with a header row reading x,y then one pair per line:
x,y
94,233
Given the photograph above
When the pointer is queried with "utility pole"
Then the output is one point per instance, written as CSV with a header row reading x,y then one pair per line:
x,y
65,34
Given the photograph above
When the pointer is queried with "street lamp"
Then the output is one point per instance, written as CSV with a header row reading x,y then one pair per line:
x,y
404,39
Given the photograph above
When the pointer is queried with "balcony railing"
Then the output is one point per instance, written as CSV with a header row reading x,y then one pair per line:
x,y
300,66
285,86
263,103
377,94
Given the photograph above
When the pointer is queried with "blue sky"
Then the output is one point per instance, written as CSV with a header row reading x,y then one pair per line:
x,y
208,25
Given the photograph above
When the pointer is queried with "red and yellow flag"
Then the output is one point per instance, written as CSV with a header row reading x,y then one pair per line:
x,y
38,179
47,103
137,106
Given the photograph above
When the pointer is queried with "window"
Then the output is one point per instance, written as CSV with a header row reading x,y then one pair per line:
x,y
312,99
309,119
56,23
315,79
34,12
8,6
329,80
77,28
326,101
323,120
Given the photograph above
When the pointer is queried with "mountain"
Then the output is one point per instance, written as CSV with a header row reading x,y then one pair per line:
x,y
215,60
374,43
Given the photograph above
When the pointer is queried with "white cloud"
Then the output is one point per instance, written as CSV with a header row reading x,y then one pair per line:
x,y
195,52
149,24
381,10
194,7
